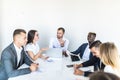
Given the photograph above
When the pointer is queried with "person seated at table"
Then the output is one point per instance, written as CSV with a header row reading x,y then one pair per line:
x,y
84,51
32,46
60,41
14,56
94,61
103,76
110,57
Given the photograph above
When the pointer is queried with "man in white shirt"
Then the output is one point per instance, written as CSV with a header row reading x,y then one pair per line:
x,y
60,41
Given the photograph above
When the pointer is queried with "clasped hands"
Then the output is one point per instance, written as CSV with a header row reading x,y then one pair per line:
x,y
77,71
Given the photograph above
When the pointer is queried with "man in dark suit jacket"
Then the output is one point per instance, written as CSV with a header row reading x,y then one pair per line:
x,y
94,47
14,56
81,50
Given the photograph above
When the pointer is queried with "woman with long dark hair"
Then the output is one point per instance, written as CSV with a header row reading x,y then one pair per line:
x,y
32,46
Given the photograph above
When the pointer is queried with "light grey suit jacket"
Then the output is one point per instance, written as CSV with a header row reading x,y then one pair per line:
x,y
9,67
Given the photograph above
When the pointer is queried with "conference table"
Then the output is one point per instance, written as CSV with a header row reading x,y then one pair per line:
x,y
53,69
68,73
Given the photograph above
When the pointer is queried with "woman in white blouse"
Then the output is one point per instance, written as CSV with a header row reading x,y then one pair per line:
x,y
110,57
32,46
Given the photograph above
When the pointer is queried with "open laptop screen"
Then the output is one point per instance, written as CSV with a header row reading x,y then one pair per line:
x,y
53,52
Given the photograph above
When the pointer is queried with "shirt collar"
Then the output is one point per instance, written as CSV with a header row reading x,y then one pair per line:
x,y
20,49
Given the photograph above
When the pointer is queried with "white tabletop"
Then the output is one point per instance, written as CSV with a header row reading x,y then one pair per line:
x,y
54,70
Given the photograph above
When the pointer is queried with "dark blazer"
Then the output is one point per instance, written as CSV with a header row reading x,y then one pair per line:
x,y
81,50
94,61
8,66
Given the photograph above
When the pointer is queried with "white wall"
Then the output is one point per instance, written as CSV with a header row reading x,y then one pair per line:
x,y
0,24
78,17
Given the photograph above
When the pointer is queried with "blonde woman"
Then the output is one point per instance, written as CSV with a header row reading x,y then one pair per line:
x,y
110,57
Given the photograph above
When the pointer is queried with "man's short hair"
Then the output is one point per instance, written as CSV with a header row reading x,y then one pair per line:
x,y
92,33
95,44
18,31
61,28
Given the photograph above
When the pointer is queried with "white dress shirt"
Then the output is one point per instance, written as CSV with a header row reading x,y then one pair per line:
x,y
54,43
86,53
18,51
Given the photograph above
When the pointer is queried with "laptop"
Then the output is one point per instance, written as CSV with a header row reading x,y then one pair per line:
x,y
53,52
75,57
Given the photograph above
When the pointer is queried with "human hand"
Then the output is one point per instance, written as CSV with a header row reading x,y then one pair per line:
x,y
62,43
34,66
78,72
46,57
44,49
76,66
